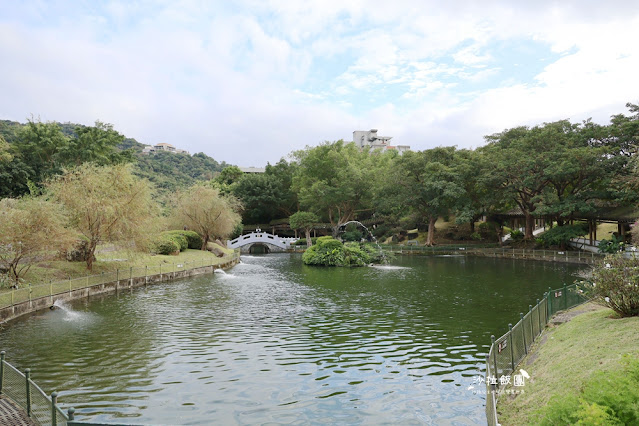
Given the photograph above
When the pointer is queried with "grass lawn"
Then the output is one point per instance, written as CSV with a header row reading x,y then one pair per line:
x,y
109,261
562,360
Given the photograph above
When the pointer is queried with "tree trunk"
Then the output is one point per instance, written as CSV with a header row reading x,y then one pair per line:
x,y
529,227
205,241
309,242
472,226
91,254
431,230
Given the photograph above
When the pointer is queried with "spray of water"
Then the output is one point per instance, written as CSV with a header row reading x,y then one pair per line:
x,y
70,314
342,229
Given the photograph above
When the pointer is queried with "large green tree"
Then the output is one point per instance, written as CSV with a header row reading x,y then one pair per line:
x,y
518,159
334,180
427,184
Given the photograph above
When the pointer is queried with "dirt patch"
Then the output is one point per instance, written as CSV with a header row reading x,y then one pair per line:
x,y
565,316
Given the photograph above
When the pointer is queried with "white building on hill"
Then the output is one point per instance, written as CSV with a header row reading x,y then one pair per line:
x,y
166,147
364,138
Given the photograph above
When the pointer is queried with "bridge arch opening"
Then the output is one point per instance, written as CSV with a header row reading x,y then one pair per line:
x,y
259,249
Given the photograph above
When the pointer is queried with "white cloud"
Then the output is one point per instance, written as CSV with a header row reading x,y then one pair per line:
x,y
247,82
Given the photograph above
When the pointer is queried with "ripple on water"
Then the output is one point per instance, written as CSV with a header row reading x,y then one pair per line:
x,y
273,341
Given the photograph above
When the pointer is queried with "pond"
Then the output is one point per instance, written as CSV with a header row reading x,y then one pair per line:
x,y
272,340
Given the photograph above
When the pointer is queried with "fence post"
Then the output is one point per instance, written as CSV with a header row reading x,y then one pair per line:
x,y
565,297
71,413
532,330
539,317
27,374
69,286
54,401
512,350
492,339
550,297
51,289
2,355
12,291
117,276
523,332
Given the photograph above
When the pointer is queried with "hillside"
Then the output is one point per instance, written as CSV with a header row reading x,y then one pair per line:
x,y
166,170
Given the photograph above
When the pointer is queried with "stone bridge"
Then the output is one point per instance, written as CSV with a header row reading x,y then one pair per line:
x,y
271,242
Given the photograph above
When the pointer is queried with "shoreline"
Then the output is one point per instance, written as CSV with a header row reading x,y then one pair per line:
x,y
16,310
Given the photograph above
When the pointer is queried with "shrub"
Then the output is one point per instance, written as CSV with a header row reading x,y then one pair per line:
x,y
613,245
616,285
326,252
178,238
475,236
194,239
166,245
302,241
607,398
560,235
354,255
516,235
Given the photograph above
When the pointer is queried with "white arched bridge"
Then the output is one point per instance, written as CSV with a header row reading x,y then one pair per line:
x,y
270,241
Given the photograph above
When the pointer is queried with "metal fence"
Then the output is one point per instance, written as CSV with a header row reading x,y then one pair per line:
x,y
507,351
491,251
40,407
32,292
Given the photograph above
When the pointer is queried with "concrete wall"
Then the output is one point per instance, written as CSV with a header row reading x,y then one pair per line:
x,y
11,312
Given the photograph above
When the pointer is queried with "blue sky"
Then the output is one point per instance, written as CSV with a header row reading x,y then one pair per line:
x,y
247,82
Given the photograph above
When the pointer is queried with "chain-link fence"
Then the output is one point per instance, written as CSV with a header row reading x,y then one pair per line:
x,y
33,292
19,387
507,351
489,250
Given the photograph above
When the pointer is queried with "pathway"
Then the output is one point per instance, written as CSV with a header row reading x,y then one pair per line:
x,y
12,415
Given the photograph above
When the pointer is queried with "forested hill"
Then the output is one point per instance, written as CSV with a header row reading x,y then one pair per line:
x,y
168,171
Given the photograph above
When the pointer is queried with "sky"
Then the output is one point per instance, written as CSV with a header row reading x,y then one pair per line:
x,y
248,82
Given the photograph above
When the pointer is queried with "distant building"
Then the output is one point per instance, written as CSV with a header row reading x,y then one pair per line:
x,y
166,147
364,138
252,169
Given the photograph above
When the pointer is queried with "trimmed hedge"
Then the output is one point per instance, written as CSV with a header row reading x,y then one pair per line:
x,y
166,245
193,239
176,236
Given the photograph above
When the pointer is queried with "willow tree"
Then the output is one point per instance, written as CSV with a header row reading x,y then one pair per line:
x,y
32,229
204,210
107,204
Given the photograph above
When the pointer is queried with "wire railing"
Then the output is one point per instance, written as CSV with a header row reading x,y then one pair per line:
x,y
507,351
149,272
503,252
41,408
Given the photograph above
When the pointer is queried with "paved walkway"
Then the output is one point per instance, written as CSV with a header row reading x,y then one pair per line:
x,y
11,414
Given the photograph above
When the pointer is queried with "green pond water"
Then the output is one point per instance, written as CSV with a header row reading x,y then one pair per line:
x,y
274,341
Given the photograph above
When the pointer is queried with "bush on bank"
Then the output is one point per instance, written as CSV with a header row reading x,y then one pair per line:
x,y
615,284
328,251
608,398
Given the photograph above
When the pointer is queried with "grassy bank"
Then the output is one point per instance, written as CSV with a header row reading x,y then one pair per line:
x,y
109,260
563,360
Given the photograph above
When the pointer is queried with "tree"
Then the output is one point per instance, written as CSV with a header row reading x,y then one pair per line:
x,y
518,158
334,180
305,221
426,183
202,209
40,146
31,229
107,204
258,194
97,144
227,179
